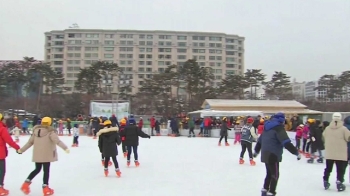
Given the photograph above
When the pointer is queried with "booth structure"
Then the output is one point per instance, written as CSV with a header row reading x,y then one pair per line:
x,y
268,107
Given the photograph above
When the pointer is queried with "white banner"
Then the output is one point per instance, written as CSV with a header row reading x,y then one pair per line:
x,y
108,109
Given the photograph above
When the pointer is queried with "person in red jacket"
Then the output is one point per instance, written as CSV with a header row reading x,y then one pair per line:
x,y
153,124
5,138
261,126
140,124
207,126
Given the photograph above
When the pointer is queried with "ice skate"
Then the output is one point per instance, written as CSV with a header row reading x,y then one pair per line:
x,y
25,188
263,192
4,191
219,144
320,160
189,136
94,137
128,163
340,186
326,185
47,191
137,163
158,134
252,162
106,172
311,160
74,145
69,134
193,135
227,144
117,171
125,154
270,194
241,161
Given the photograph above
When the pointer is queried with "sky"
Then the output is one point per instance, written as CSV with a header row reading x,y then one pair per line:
x,y
304,39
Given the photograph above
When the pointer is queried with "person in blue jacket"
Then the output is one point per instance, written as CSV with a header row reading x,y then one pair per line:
x,y
25,124
347,125
271,143
201,127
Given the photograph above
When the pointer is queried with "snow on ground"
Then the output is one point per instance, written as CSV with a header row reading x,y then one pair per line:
x,y
169,166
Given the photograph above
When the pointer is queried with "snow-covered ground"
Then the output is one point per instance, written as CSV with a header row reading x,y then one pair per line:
x,y
169,166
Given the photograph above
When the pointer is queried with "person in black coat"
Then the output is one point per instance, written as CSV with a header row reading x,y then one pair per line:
x,y
223,131
132,133
316,141
108,139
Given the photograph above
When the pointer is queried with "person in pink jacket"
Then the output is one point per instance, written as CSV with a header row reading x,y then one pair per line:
x,y
298,136
306,144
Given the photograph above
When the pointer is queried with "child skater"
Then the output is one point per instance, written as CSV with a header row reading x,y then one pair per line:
x,y
306,143
271,144
121,130
5,138
60,127
238,132
316,142
16,132
108,140
75,136
223,131
248,136
44,140
261,126
298,136
132,134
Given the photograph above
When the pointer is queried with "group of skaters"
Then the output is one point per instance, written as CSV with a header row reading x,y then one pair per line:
x,y
271,137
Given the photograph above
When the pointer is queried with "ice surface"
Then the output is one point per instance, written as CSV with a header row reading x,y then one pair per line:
x,y
169,167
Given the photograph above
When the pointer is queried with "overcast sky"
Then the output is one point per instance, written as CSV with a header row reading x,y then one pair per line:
x,y
303,38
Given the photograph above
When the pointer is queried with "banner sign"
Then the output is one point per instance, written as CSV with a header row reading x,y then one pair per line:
x,y
108,109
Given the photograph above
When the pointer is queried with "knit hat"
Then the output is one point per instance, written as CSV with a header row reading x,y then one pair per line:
x,y
336,116
280,117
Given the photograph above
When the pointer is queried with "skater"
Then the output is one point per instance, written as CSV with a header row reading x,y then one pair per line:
x,y
248,136
132,134
223,132
336,137
16,131
207,126
261,126
316,142
306,143
152,124
122,127
238,132
108,142
271,144
201,127
25,124
5,138
44,141
95,126
69,126
191,128
157,128
347,125
298,136
75,135
60,127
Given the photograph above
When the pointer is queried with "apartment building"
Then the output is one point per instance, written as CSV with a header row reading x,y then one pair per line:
x,y
141,53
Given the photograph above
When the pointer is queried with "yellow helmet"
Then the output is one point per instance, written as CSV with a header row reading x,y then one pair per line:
x,y
107,122
310,120
46,121
123,121
1,116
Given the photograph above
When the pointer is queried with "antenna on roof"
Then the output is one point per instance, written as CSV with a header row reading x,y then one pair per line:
x,y
74,26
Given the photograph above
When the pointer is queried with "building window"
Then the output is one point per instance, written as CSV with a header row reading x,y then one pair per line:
x,y
70,48
218,71
211,58
164,49
181,37
149,49
230,53
181,44
109,55
149,56
91,48
141,56
230,65
109,48
125,49
72,55
91,55
141,36
230,59
148,69
149,43
198,37
230,40
230,47
128,36
129,56
161,63
149,63
149,36
215,39
91,35
164,36
122,56
180,50
74,35
72,42
142,43
182,57
141,62
109,42
58,56
91,42
160,70
198,50
230,72
58,62
109,36
219,58
141,69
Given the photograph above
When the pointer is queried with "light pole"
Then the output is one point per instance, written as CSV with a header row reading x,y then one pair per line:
x,y
107,80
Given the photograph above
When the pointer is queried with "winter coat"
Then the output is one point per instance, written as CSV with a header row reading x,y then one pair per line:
x,y
69,124
157,126
223,130
299,132
260,129
44,141
153,122
140,124
202,124
316,133
272,141
132,134
35,120
191,123
95,123
108,139
121,130
306,132
5,138
336,138
10,122
174,124
207,122
25,123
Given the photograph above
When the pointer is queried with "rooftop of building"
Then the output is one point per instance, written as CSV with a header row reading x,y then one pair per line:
x,y
252,103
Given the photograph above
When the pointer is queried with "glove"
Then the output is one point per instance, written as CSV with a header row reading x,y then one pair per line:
x,y
313,139
19,151
67,151
298,156
255,154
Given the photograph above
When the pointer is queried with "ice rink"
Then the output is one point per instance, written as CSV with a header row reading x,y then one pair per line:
x,y
168,167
